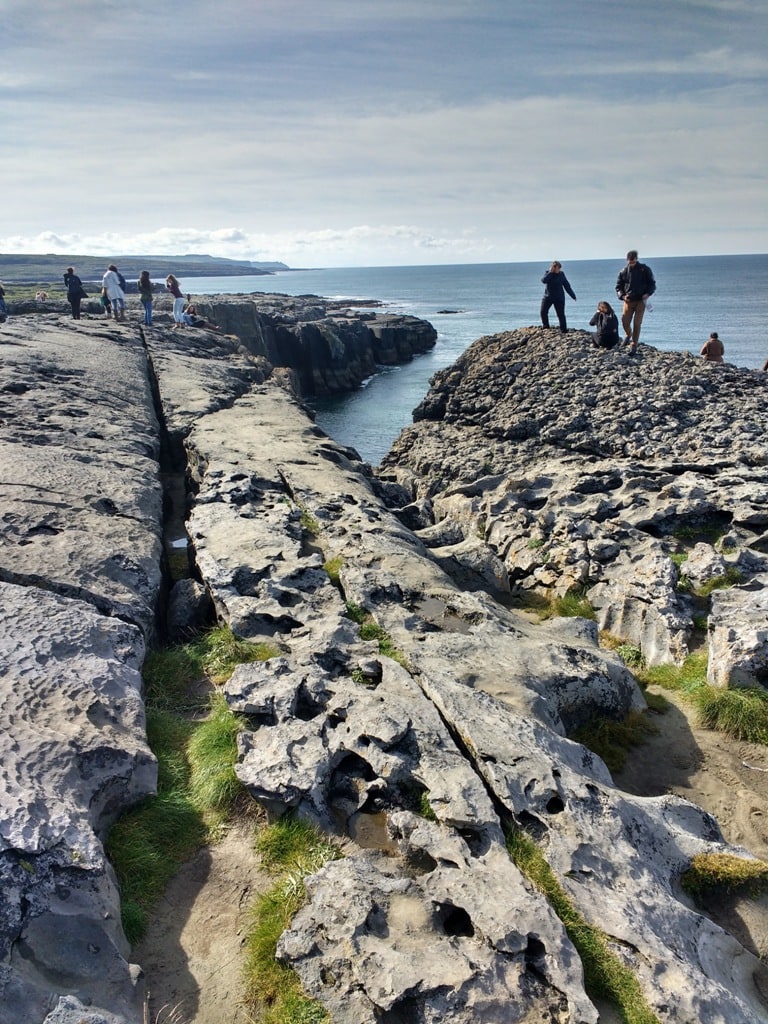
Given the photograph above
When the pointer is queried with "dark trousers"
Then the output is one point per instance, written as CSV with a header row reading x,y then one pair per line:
x,y
75,303
559,304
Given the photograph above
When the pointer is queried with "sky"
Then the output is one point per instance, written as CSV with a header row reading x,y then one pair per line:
x,y
384,132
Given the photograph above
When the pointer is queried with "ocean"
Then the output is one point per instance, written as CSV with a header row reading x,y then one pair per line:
x,y
695,295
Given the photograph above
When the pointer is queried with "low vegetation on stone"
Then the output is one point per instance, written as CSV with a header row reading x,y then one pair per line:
x,y
291,849
741,714
197,787
371,630
613,740
716,873
605,976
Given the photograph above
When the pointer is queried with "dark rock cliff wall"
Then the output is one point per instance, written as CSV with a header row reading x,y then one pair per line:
x,y
331,348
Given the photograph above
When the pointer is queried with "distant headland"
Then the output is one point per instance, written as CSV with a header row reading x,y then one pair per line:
x,y
24,268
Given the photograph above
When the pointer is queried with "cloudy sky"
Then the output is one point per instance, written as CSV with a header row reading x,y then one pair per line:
x,y
376,132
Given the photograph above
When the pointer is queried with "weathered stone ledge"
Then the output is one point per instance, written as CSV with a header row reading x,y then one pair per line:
x,y
472,715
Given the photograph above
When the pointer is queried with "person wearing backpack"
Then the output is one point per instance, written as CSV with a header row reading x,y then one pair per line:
x,y
634,286
75,291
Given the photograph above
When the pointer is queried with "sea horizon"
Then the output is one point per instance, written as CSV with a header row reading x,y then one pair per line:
x,y
695,295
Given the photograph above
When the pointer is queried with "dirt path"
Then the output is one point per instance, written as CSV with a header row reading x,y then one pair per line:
x,y
725,777
192,954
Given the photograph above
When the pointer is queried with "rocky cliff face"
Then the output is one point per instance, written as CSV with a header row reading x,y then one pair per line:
x,y
466,706
330,346
634,479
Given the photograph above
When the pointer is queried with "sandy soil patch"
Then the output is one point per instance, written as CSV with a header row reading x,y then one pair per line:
x,y
192,953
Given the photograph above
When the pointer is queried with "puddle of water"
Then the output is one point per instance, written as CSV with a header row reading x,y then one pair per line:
x,y
435,611
370,831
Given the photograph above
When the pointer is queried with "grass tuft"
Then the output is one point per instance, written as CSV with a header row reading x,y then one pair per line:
x,y
730,578
220,651
724,873
613,740
741,714
333,568
294,849
573,604
605,976
196,784
214,787
148,843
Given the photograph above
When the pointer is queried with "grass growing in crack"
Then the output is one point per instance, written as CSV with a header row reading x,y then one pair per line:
x,y
605,976
739,713
309,523
291,849
573,604
333,568
220,651
371,630
214,788
724,873
148,843
612,740
730,578
196,785
570,605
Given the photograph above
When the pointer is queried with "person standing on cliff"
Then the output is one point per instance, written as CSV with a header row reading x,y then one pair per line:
x,y
115,293
634,286
173,286
556,285
145,296
75,291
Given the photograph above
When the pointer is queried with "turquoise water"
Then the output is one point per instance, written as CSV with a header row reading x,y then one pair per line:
x,y
695,295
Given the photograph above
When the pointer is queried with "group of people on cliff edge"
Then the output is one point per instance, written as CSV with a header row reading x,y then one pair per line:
x,y
113,289
634,287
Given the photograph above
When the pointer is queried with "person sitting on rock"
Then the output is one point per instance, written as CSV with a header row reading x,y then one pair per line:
x,y
713,349
607,324
190,319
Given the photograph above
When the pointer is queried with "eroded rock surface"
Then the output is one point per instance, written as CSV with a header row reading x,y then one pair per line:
x,y
419,748
581,469
81,574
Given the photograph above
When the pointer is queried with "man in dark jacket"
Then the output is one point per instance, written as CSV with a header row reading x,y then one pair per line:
x,y
634,286
554,295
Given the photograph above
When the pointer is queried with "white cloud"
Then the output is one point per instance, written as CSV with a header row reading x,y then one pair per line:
x,y
383,132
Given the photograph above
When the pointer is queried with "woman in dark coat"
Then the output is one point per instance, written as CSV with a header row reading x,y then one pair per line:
x,y
607,324
554,295
75,291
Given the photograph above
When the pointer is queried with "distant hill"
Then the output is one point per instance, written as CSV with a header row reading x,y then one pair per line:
x,y
44,269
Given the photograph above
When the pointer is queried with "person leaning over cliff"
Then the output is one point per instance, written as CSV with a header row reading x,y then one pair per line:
x,y
634,286
172,285
3,306
145,296
607,324
75,291
713,349
115,293
556,285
